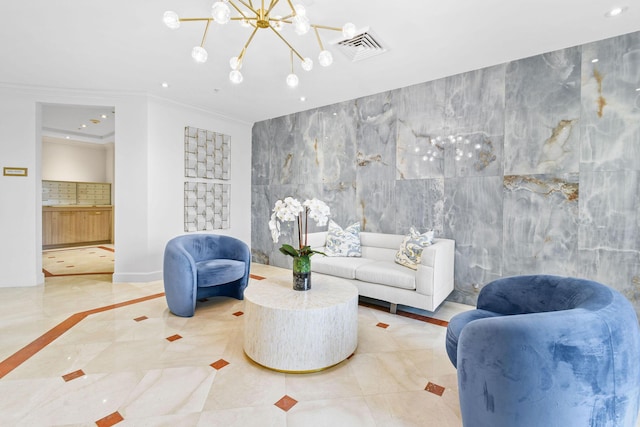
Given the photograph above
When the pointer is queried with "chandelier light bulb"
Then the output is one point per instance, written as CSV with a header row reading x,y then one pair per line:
x,y
236,77
300,10
325,58
235,63
307,64
199,54
301,25
221,12
277,23
349,30
292,80
171,19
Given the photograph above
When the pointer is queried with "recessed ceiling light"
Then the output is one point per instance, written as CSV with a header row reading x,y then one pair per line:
x,y
303,98
616,11
638,89
104,116
165,85
84,126
67,137
594,60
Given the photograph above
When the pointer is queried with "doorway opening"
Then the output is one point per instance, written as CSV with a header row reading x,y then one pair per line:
x,y
78,187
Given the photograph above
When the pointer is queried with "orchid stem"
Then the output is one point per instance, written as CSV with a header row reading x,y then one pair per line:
x,y
306,225
299,233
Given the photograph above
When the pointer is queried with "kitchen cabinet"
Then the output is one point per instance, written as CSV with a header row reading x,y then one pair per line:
x,y
76,225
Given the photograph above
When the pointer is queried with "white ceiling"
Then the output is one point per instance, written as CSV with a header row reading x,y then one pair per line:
x,y
123,46
63,123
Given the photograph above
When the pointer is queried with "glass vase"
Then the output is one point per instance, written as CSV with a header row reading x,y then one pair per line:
x,y
301,273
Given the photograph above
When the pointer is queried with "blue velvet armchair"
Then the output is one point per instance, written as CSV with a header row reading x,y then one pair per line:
x,y
547,351
204,265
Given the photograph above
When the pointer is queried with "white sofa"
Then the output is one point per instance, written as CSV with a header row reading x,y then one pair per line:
x,y
377,275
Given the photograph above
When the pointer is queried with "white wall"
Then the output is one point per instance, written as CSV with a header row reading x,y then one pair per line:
x,y
148,179
81,162
166,171
20,262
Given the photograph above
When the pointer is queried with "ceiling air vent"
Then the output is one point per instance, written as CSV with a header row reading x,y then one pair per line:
x,y
361,46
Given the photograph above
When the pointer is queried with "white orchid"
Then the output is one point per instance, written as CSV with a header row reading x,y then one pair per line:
x,y
291,210
317,211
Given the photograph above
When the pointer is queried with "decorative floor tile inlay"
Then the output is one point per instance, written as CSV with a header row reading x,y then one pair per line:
x,y
26,352
141,318
109,420
256,277
238,313
73,375
382,325
219,364
435,389
286,403
173,337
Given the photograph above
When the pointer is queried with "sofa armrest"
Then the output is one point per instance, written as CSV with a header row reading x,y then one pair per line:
x,y
434,275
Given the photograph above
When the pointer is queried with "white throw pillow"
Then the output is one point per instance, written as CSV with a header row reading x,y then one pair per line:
x,y
410,251
343,242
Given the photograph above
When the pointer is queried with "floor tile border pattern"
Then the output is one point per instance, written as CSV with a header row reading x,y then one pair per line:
x,y
22,355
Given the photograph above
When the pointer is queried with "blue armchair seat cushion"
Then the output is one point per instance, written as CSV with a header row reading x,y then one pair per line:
x,y
214,272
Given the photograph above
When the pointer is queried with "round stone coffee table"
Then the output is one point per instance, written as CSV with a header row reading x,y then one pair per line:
x,y
300,331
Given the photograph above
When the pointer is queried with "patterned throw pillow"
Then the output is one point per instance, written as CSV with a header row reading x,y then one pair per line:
x,y
343,242
410,251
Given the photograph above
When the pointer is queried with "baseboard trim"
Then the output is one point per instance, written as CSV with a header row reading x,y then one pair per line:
x,y
136,277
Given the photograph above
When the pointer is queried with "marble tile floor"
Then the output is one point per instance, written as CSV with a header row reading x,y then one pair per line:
x,y
81,260
116,356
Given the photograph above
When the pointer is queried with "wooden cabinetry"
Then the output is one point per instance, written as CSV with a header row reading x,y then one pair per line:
x,y
75,225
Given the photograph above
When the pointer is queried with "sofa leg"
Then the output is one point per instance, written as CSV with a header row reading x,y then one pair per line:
x,y
393,308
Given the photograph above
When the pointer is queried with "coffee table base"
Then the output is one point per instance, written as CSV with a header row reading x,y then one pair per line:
x,y
300,332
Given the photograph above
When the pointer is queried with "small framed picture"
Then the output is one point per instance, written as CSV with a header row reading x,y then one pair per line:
x,y
9,171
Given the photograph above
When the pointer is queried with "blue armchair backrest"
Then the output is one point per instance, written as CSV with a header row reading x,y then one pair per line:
x,y
203,247
542,293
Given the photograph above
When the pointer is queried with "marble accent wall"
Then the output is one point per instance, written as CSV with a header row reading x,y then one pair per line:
x,y
531,166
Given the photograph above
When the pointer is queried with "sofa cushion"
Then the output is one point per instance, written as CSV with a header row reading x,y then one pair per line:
x,y
343,243
411,248
344,267
387,273
219,271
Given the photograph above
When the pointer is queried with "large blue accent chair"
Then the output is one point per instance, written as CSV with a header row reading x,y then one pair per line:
x,y
204,265
547,351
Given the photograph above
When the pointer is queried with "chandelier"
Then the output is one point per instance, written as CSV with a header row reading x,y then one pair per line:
x,y
262,17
